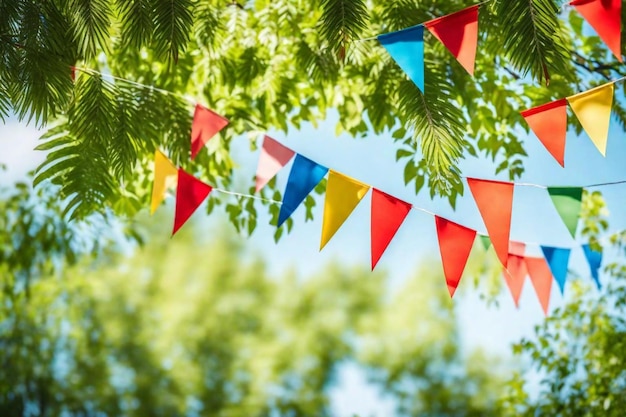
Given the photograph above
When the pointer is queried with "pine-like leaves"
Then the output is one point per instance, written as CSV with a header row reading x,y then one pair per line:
x,y
342,21
92,19
173,23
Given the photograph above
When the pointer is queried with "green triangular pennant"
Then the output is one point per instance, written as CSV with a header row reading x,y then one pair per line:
x,y
485,241
568,202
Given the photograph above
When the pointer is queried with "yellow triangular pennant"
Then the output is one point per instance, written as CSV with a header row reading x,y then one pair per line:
x,y
343,194
593,110
165,174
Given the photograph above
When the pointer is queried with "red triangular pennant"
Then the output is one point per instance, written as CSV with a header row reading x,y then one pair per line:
x,y
388,213
541,277
516,271
549,122
206,124
459,33
190,194
605,16
455,244
495,203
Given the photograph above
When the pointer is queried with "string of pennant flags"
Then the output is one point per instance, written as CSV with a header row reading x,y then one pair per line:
x,y
458,32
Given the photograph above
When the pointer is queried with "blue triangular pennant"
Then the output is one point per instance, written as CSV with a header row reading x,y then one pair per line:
x,y
595,261
557,258
304,176
406,47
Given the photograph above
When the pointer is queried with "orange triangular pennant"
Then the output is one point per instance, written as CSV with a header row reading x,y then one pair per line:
x,y
495,203
605,17
515,273
455,244
541,278
459,33
549,122
190,194
206,124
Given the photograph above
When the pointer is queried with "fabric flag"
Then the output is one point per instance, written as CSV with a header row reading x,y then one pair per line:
x,y
190,194
549,123
206,124
459,33
455,244
593,110
515,275
595,261
486,242
406,47
343,194
304,176
568,203
558,259
274,156
388,214
605,17
541,278
495,203
164,176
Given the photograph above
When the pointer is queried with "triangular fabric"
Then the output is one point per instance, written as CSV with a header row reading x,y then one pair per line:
x,y
303,178
541,278
455,244
568,203
406,47
593,110
486,242
274,156
388,214
594,258
495,203
558,259
206,124
549,123
605,17
190,194
514,276
459,33
343,194
164,176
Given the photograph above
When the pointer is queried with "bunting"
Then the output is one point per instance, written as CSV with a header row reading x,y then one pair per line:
x,y
388,214
343,194
549,123
515,273
406,47
605,17
541,278
274,156
305,175
593,110
594,258
455,245
568,203
206,124
164,177
459,33
558,259
190,194
485,241
495,203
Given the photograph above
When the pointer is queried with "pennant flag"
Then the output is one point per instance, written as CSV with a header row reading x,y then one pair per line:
x,y
455,244
605,17
343,194
164,176
593,110
495,203
388,214
541,278
549,123
206,124
514,276
557,259
568,203
486,242
406,47
459,33
304,176
274,156
190,194
595,261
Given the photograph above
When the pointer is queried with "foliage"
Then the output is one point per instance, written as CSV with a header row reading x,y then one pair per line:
x,y
274,65
158,333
